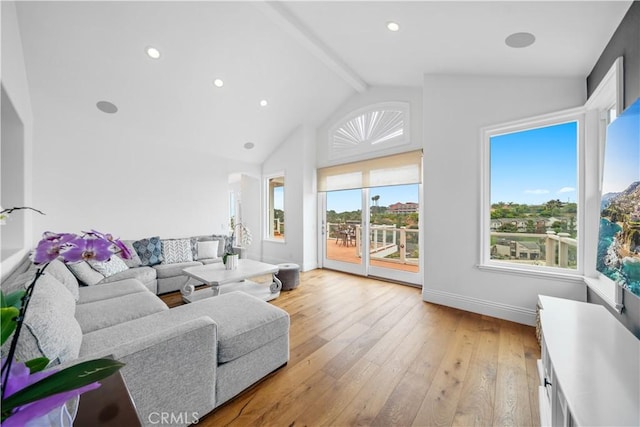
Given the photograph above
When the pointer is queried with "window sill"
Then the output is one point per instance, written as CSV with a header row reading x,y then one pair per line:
x,y
605,289
544,274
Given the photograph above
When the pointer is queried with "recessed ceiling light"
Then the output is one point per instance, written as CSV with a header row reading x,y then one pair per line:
x,y
393,26
218,83
264,103
153,53
107,107
518,40
249,145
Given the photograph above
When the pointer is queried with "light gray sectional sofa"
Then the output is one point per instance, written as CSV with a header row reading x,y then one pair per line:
x,y
159,278
188,359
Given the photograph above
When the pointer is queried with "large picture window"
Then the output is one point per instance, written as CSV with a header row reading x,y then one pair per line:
x,y
531,199
275,207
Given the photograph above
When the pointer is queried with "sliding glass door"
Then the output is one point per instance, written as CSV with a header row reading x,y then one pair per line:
x,y
370,217
381,240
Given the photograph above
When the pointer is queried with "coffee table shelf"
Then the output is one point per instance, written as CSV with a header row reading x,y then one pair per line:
x,y
222,281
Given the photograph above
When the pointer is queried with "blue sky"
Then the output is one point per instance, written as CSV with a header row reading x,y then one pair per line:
x,y
622,152
350,200
536,165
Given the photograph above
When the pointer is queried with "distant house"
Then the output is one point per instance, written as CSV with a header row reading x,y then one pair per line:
x,y
513,249
525,250
408,207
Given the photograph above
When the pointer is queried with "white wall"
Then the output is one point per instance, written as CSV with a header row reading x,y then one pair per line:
x,y
14,82
455,109
374,95
295,157
103,171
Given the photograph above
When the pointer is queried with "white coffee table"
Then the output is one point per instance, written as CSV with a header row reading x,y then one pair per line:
x,y
221,280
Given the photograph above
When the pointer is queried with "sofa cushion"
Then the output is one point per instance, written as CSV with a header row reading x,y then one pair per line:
x,y
105,313
59,270
208,250
178,250
149,250
108,268
245,323
113,290
84,273
134,261
172,270
50,329
143,274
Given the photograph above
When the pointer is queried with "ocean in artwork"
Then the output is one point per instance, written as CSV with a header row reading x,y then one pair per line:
x,y
624,270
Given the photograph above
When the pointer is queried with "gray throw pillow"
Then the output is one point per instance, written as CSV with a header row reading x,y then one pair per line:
x,y
59,270
50,328
85,273
134,261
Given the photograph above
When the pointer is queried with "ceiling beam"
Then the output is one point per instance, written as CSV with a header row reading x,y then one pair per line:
x,y
279,14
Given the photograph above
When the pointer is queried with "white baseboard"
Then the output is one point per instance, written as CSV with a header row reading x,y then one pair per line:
x,y
513,313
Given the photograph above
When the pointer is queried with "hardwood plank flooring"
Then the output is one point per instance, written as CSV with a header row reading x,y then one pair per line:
x,y
369,352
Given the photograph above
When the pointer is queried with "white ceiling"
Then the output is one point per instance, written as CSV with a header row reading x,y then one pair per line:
x,y
305,58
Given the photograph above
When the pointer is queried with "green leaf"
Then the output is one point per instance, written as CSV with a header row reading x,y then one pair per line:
x,y
8,324
37,364
70,378
13,299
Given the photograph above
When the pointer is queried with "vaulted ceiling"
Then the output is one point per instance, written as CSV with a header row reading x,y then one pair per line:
x,y
304,58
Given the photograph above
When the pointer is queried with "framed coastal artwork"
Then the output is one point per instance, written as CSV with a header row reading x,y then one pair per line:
x,y
619,235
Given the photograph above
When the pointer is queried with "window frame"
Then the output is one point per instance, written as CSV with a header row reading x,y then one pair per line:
x,y
555,118
609,94
268,208
366,147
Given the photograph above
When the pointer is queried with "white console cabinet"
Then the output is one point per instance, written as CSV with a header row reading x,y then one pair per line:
x,y
590,366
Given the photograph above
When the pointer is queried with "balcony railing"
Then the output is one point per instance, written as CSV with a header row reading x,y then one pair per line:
x,y
386,242
556,246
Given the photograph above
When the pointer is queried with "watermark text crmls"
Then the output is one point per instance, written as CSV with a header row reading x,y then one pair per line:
x,y
168,418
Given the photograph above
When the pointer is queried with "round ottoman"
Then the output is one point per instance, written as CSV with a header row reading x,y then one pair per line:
x,y
289,275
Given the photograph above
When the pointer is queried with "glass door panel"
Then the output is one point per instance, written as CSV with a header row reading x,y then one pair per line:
x,y
394,232
343,231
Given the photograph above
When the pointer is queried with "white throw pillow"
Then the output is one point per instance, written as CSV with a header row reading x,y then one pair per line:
x,y
113,265
208,249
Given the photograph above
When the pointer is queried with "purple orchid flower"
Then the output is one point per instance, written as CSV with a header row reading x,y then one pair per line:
x,y
50,247
124,251
19,378
81,249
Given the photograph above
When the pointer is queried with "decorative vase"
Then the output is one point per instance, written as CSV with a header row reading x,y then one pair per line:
x,y
231,263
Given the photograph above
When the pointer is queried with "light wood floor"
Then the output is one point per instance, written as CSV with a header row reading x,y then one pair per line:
x,y
368,352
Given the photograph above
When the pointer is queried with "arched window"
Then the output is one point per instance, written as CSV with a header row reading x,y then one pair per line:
x,y
375,127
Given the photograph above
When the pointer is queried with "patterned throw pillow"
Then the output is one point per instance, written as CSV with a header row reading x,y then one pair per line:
x,y
113,265
149,250
174,251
